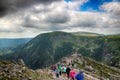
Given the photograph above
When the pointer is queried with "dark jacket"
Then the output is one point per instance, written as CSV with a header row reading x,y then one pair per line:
x,y
68,70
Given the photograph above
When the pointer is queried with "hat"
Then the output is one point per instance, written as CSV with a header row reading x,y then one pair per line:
x,y
81,71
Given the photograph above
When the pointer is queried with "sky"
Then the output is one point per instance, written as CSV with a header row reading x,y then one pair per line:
x,y
28,18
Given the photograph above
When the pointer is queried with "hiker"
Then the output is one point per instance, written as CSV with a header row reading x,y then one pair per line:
x,y
53,67
79,75
57,73
72,74
60,69
68,71
72,64
64,70
69,64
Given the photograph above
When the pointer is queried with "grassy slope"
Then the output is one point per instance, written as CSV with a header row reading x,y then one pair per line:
x,y
82,61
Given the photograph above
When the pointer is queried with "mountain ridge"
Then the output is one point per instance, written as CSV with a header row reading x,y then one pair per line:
x,y
46,49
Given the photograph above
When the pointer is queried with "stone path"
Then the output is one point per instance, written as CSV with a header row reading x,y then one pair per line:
x,y
62,77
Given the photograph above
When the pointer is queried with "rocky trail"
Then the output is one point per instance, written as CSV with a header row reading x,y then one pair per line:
x,y
64,77
52,76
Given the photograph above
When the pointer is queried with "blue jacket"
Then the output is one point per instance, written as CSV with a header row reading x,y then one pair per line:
x,y
79,77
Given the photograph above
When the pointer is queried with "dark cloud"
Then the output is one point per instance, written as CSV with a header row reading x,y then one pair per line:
x,y
86,24
58,18
10,6
30,23
2,11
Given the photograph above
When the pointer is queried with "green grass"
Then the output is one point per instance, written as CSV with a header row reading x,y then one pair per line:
x,y
98,67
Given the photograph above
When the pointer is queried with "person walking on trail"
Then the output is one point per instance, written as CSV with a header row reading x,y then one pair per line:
x,y
72,64
53,67
69,64
79,75
57,73
60,69
68,72
64,71
72,74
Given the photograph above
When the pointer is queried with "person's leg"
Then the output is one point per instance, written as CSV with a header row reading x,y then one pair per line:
x,y
60,73
68,75
57,75
72,78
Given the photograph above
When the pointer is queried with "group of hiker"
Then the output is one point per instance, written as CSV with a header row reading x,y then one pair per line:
x,y
68,71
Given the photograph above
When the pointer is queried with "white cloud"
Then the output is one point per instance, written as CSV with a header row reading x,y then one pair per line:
x,y
75,5
59,16
113,10
112,7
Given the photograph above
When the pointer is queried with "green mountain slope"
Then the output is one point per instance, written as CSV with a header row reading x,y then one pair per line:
x,y
48,48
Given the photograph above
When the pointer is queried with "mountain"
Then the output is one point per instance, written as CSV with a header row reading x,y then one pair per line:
x,y
46,49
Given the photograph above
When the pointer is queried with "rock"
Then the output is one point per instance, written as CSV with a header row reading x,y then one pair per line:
x,y
80,61
89,68
21,62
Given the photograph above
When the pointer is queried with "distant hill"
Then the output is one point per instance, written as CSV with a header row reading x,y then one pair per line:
x,y
8,46
46,49
11,42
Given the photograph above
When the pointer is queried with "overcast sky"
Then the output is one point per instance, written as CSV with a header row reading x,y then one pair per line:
x,y
28,18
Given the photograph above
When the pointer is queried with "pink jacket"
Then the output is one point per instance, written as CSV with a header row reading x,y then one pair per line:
x,y
72,74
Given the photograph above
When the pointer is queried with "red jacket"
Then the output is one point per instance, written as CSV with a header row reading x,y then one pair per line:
x,y
53,67
72,74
